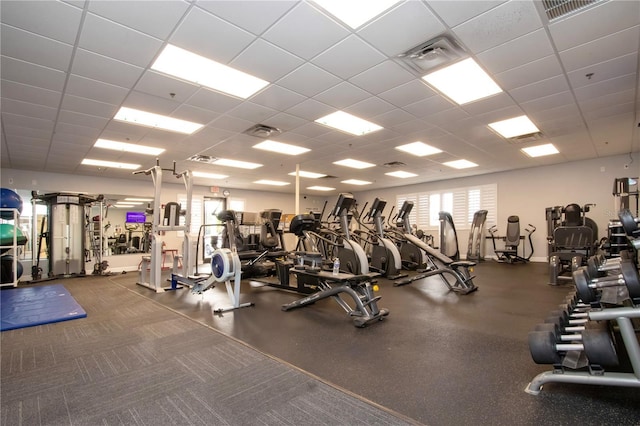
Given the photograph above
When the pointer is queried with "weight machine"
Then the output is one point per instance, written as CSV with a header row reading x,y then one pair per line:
x,y
169,221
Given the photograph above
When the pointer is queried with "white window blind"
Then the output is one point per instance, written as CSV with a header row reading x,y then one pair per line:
x,y
197,206
461,203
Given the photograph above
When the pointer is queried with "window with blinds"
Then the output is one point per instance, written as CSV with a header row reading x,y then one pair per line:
x,y
197,206
461,203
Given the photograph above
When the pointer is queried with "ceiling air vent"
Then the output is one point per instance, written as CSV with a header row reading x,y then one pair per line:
x,y
431,54
198,158
262,131
394,164
556,9
530,137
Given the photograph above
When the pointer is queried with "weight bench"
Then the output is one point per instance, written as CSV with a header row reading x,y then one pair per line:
x,y
359,288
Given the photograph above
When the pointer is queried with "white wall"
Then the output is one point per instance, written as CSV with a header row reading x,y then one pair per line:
x,y
527,192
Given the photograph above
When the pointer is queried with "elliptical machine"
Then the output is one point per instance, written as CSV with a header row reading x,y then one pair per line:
x,y
385,256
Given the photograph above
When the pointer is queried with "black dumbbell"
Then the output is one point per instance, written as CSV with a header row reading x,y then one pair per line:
x,y
548,346
629,223
587,286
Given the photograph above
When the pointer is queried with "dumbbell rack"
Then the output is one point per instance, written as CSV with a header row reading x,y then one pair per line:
x,y
623,317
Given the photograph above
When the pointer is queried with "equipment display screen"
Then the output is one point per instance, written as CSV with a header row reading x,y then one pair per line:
x,y
136,217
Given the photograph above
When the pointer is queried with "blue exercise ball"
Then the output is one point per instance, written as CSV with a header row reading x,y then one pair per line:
x,y
9,200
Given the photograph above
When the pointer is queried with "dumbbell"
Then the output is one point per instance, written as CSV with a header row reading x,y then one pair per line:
x,y
629,223
600,266
565,319
548,346
587,286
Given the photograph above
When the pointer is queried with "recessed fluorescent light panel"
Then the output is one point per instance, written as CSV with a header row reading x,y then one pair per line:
x,y
356,182
311,175
123,206
209,175
540,150
401,174
463,82
281,148
129,203
353,163
128,147
513,127
320,188
197,69
157,121
419,149
355,12
110,164
348,123
138,199
235,163
460,164
271,182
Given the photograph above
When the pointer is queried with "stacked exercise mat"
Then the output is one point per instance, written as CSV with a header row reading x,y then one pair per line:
x,y
592,337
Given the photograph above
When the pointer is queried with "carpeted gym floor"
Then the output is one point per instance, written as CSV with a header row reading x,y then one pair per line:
x,y
439,359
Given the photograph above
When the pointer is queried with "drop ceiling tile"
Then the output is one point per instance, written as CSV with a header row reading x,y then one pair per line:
x,y
411,24
602,49
266,61
165,87
78,119
429,106
611,17
606,87
497,102
27,122
252,112
27,109
78,130
146,102
540,89
311,130
393,118
342,95
499,25
285,122
105,69
277,98
448,119
117,41
349,57
529,73
144,16
195,114
408,93
611,111
308,80
369,108
23,92
455,13
305,32
55,20
231,124
214,101
514,53
617,98
310,110
197,31
382,77
12,130
253,16
609,70
88,106
563,112
548,102
30,47
31,74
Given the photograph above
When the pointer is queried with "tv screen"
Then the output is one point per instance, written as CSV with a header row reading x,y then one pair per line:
x,y
136,217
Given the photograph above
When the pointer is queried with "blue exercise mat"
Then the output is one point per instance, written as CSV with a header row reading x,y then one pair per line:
x,y
29,306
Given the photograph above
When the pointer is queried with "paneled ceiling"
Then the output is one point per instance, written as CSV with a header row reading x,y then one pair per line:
x,y
68,66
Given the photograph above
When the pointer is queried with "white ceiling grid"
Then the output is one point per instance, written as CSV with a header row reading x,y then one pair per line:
x,y
67,67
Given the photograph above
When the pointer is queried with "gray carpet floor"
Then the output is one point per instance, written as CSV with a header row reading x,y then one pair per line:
x,y
134,361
